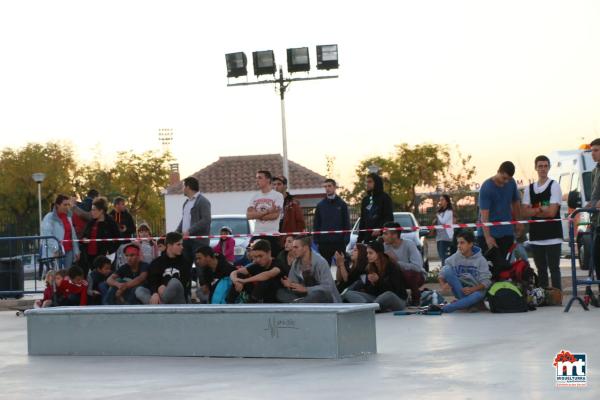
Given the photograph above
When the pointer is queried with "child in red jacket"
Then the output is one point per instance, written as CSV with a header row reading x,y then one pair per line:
x,y
73,291
226,245
53,281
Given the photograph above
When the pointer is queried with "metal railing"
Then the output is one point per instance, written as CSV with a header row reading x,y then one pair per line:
x,y
24,259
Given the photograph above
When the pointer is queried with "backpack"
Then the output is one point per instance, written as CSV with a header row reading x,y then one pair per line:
x,y
506,297
521,272
221,291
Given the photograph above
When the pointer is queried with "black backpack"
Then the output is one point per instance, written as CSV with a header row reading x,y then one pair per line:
x,y
506,297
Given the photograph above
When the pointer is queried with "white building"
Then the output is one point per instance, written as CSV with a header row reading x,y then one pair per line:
x,y
229,183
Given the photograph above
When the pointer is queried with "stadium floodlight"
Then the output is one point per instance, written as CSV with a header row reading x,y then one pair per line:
x,y
264,62
298,60
327,56
236,64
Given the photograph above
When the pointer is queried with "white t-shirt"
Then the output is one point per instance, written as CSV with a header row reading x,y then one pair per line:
x,y
266,201
555,198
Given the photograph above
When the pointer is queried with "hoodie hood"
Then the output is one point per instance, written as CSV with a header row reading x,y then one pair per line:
x,y
378,188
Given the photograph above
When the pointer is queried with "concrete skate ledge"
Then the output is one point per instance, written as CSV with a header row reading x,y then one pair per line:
x,y
266,330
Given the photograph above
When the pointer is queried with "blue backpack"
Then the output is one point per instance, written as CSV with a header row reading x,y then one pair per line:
x,y
221,291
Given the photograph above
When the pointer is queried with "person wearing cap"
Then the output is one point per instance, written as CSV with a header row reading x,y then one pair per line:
x,y
384,284
131,275
226,244
293,219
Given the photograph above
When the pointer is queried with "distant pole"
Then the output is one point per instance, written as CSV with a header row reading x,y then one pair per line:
x,y
39,177
286,169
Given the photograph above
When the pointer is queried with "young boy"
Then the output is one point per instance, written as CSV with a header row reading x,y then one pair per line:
x,y
466,273
124,282
97,286
73,291
259,281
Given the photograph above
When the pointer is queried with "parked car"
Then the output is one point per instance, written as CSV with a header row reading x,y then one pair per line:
x,y
406,220
240,225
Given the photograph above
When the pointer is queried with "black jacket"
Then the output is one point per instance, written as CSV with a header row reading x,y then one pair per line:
x,y
392,281
176,268
332,215
375,210
124,219
107,229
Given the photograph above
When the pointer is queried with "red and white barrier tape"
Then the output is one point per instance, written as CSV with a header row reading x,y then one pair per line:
x,y
279,234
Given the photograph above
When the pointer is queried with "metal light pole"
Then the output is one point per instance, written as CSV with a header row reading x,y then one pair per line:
x,y
39,177
282,84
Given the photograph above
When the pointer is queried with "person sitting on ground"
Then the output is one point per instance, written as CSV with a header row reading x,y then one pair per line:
x,y
46,301
124,282
309,279
259,281
351,271
215,267
286,257
226,244
73,289
406,254
169,275
97,286
385,282
466,274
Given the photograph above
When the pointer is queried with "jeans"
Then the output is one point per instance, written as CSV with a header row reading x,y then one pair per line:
x,y
173,293
547,257
285,295
129,296
443,249
388,301
67,262
463,301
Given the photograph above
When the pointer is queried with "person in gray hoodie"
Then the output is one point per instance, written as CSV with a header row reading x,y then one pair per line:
x,y
466,273
309,279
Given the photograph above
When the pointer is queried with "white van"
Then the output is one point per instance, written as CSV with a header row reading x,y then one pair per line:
x,y
572,169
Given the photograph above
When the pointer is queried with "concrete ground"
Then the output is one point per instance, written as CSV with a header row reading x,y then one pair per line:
x,y
458,356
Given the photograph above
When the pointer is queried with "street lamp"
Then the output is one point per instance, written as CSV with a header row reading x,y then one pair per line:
x,y
39,177
373,169
264,64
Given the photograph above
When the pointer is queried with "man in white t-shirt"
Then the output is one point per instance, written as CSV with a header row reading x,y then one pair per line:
x,y
541,200
265,207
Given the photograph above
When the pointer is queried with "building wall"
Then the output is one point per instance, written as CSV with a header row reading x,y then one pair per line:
x,y
221,203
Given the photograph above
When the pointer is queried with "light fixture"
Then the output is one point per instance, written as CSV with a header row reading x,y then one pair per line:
x,y
264,62
327,56
38,177
236,64
298,60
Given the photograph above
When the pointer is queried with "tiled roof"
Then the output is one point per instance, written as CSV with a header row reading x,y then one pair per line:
x,y
237,174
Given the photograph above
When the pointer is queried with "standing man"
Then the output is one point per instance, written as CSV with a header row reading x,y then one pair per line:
x,y
265,207
293,219
196,217
123,218
499,200
375,210
58,223
541,200
595,203
331,214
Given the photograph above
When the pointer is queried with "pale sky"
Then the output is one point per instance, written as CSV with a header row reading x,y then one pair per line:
x,y
505,80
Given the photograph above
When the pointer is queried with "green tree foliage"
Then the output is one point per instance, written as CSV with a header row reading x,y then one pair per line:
x,y
18,191
425,166
139,178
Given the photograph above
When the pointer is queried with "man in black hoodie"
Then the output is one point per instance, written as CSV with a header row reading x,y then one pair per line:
x,y
375,210
168,276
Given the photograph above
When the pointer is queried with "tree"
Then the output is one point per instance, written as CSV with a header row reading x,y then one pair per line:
x,y
426,166
139,178
18,191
